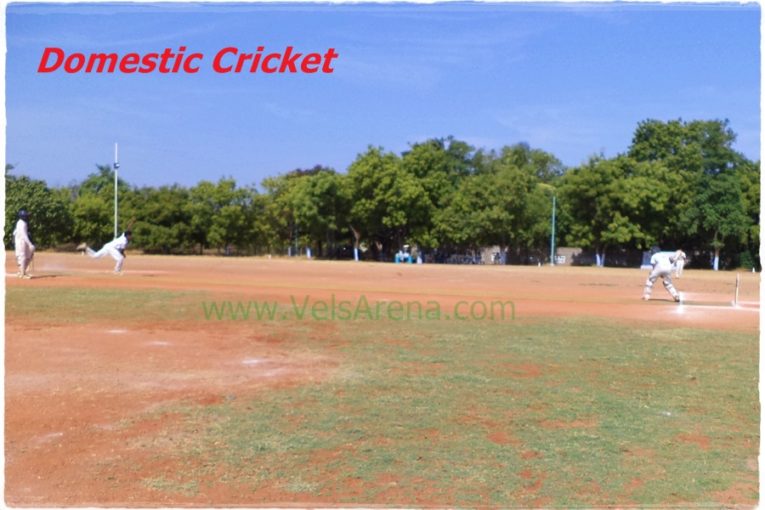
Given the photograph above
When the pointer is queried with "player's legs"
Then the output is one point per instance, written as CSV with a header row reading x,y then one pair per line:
x,y
27,262
649,284
667,280
96,254
20,256
23,259
19,264
120,258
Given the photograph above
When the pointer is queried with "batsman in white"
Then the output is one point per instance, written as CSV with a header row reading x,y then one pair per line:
x,y
115,248
22,244
663,263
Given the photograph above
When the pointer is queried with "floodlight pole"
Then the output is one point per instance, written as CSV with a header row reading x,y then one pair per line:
x,y
552,235
116,166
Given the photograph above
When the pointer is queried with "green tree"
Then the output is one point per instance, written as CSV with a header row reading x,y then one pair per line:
x,y
702,153
541,171
218,214
162,219
93,206
280,223
93,219
319,205
101,183
388,204
718,213
504,205
618,202
261,235
50,222
749,178
698,146
439,165
543,165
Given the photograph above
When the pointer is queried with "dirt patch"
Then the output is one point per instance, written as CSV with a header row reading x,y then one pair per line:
x,y
633,485
430,434
530,454
502,437
414,368
533,481
738,494
592,490
535,292
327,456
520,370
701,440
87,409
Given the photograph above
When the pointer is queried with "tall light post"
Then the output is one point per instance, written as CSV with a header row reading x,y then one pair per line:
x,y
116,167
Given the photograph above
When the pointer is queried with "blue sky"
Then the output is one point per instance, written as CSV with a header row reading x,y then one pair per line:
x,y
572,79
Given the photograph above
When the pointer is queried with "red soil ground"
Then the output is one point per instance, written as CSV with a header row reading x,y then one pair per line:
x,y
71,390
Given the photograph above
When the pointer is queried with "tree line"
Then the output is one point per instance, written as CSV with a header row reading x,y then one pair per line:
x,y
679,184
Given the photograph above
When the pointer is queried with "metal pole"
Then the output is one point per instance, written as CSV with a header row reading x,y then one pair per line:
x,y
116,166
552,235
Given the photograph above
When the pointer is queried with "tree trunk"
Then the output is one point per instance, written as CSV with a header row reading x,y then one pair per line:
x,y
716,245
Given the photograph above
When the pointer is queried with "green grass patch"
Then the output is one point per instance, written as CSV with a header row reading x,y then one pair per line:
x,y
569,412
163,484
81,306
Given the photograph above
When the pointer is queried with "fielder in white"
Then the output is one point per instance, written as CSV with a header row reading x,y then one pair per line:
x,y
115,248
663,263
23,246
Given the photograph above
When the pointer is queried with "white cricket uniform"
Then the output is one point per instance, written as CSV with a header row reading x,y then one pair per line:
x,y
663,263
113,248
23,246
679,263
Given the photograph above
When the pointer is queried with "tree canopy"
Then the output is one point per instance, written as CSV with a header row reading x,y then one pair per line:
x,y
678,184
